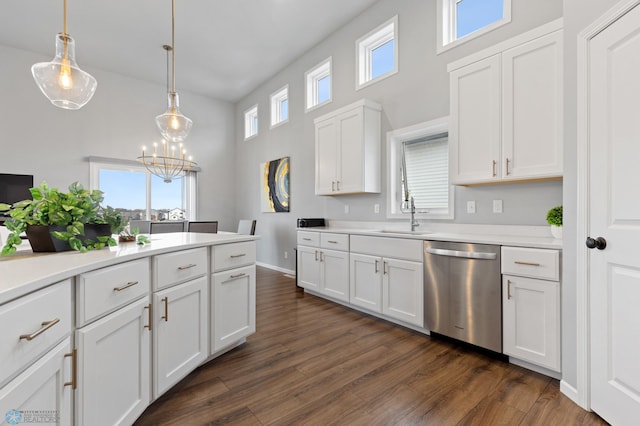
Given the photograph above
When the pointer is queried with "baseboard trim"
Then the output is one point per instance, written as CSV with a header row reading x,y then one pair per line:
x,y
276,268
570,392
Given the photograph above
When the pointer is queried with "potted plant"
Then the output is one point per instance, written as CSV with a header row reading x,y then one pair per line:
x,y
58,221
554,218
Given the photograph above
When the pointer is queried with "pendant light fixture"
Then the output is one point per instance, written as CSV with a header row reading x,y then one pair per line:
x,y
173,126
61,80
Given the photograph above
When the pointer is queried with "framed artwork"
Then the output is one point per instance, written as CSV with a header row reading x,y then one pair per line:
x,y
274,194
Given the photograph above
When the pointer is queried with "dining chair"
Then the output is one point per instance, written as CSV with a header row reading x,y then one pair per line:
x,y
210,227
247,227
141,225
165,227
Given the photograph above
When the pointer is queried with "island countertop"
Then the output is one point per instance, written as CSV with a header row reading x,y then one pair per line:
x,y
25,271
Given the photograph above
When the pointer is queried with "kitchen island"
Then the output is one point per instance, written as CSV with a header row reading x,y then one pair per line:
x,y
109,331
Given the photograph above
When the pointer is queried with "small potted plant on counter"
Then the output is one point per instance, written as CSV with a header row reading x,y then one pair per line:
x,y
58,221
554,218
120,228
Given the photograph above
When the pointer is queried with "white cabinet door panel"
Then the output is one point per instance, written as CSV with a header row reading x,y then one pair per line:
x,y
350,162
326,154
309,268
366,281
403,291
335,274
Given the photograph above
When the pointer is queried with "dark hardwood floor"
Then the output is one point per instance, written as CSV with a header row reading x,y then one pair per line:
x,y
315,362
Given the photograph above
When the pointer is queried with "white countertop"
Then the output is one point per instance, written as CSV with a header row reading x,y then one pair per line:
x,y
25,271
503,236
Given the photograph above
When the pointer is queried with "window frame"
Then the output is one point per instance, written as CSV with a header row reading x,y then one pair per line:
x,y
395,138
189,182
312,79
447,24
251,131
366,44
276,100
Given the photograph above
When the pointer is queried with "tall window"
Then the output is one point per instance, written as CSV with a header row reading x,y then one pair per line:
x,y
139,195
419,168
377,53
318,84
251,122
463,20
280,106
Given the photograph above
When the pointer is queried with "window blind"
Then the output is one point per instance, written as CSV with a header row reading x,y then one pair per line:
x,y
427,171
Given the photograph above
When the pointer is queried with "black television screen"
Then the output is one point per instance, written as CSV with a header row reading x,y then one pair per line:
x,y
14,188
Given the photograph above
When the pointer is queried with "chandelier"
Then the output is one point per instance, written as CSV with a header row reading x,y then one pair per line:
x,y
168,164
61,80
173,125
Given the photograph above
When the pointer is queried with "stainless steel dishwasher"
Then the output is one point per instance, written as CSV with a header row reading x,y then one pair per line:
x,y
462,293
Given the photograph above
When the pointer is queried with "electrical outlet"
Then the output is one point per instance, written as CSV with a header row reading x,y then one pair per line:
x,y
286,254
376,208
497,206
346,209
471,207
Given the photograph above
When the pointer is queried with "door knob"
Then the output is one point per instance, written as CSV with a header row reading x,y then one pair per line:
x,y
599,243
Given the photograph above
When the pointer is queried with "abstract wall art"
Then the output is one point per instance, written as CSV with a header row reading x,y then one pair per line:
x,y
275,185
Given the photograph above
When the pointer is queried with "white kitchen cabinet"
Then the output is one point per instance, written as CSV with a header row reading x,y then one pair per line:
x,y
389,285
506,111
234,306
531,305
43,392
347,150
114,366
232,294
323,263
180,332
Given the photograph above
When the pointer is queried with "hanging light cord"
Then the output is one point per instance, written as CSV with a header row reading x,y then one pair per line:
x,y
173,46
65,36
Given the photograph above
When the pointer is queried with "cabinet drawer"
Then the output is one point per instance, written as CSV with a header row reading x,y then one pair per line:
x,y
228,256
334,241
177,267
104,290
530,262
32,325
306,238
387,247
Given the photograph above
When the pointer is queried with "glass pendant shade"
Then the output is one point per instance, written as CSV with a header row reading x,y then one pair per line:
x,y
174,126
61,80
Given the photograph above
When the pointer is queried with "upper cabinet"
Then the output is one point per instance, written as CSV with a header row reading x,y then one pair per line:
x,y
506,110
348,150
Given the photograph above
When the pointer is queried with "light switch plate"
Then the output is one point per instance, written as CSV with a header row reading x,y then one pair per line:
x,y
471,207
346,209
376,208
497,206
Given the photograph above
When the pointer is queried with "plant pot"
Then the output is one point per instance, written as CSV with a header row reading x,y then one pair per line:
x,y
556,231
41,239
127,238
94,230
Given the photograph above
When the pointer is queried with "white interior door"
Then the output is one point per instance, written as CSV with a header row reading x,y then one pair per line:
x,y
614,214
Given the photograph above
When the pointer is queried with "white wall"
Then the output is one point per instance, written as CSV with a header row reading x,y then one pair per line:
x,y
53,144
578,14
418,92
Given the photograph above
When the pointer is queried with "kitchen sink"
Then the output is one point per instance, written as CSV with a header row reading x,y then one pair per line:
x,y
391,231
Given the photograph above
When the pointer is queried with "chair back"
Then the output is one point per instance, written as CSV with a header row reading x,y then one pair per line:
x,y
247,227
142,225
210,227
165,227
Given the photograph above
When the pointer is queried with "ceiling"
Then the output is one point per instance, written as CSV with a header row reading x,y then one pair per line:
x,y
224,48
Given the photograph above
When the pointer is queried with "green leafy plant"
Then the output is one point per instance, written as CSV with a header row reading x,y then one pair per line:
x,y
49,206
554,216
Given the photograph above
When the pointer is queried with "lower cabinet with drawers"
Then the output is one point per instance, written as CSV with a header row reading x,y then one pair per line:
x,y
140,327
323,263
531,305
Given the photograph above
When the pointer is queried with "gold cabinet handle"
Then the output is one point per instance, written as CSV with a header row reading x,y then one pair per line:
x,y
238,275
234,256
150,325
519,262
332,242
74,369
375,266
333,185
316,255
306,239
508,289
166,309
337,185
182,268
321,258
45,326
384,268
493,168
127,285
507,167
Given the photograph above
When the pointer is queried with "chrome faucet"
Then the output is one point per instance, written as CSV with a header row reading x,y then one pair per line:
x,y
414,222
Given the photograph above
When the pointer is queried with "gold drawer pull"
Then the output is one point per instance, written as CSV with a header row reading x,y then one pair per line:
x,y
45,326
150,308
238,275
307,239
508,289
182,268
127,285
233,256
74,369
519,262
166,309
332,242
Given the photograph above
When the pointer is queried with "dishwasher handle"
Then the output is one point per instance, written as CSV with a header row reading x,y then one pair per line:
x,y
464,254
